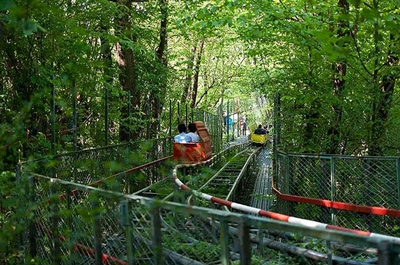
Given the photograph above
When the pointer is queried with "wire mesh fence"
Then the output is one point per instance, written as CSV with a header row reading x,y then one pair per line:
x,y
92,165
356,181
70,223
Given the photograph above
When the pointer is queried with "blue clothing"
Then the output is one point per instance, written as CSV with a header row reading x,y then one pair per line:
x,y
182,138
194,136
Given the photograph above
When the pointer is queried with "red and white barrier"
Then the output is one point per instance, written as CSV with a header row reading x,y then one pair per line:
x,y
272,215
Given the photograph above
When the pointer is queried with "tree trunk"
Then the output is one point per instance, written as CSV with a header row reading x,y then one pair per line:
x,y
340,68
383,102
126,63
189,74
158,93
196,75
312,114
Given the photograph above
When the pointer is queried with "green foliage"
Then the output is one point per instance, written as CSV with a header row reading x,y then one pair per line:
x,y
203,250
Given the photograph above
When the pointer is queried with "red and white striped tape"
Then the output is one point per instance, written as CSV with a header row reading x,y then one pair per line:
x,y
272,215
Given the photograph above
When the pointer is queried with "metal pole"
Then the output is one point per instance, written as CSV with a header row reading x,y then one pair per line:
x,y
288,181
73,254
19,182
156,234
244,240
386,254
75,121
170,118
53,118
159,118
56,250
186,114
233,127
129,114
275,135
179,113
32,225
277,115
97,230
148,107
227,121
125,220
329,252
170,128
106,116
224,238
333,191
398,181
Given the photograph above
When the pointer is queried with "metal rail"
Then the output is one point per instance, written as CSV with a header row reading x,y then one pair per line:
x,y
140,237
230,175
277,216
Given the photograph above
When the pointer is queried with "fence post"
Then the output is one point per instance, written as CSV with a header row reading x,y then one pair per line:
x,y
32,227
329,252
186,114
53,118
287,182
125,222
398,181
170,119
333,189
368,189
54,219
224,239
71,239
148,115
75,116
386,254
227,121
106,116
20,184
244,241
97,229
156,234
277,122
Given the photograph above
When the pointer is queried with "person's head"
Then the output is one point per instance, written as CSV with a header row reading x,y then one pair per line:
x,y
192,127
181,128
259,126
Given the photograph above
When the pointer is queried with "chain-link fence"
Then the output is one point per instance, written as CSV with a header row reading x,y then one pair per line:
x,y
91,165
95,164
123,168
349,181
70,223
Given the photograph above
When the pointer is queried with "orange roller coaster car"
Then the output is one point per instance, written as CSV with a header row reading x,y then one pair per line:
x,y
190,153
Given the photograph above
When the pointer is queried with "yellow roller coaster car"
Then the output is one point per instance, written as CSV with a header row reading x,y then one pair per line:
x,y
258,139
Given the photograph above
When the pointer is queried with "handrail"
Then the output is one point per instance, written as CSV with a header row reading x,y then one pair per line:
x,y
337,205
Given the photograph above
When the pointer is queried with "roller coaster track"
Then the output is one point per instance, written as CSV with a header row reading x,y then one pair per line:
x,y
257,211
225,186
226,181
223,189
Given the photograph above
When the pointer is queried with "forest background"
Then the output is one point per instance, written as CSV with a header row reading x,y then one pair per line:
x,y
330,68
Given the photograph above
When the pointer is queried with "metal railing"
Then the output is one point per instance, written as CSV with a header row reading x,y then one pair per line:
x,y
344,183
94,226
91,165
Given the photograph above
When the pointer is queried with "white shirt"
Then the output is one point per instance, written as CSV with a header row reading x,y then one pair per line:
x,y
182,138
194,136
